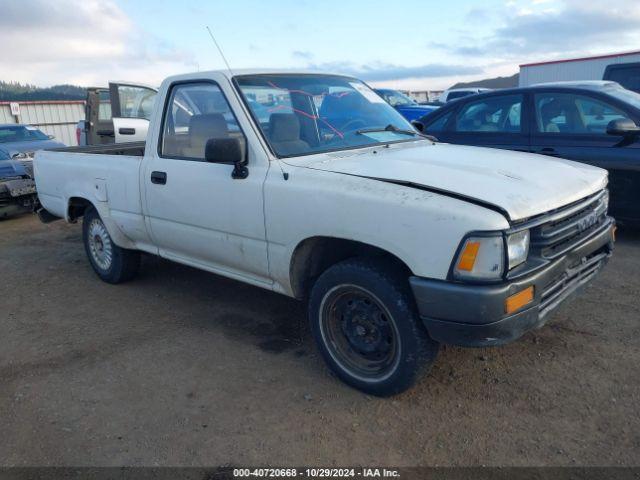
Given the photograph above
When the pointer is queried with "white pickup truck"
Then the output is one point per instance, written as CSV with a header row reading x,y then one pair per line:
x,y
311,185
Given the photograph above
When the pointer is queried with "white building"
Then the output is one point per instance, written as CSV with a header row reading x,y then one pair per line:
x,y
424,95
57,118
586,68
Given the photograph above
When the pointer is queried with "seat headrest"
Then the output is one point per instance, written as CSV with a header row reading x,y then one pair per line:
x,y
208,125
553,109
284,127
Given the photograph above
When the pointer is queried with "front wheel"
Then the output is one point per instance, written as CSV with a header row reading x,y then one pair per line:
x,y
366,326
110,262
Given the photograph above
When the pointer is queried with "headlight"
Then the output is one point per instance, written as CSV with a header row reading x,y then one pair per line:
x,y
481,258
517,248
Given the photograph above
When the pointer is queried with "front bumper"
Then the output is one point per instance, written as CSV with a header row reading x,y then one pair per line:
x,y
474,315
17,195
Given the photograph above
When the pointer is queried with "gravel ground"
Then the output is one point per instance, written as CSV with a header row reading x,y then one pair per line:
x,y
181,367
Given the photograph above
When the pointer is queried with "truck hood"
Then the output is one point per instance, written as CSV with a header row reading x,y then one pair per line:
x,y
521,185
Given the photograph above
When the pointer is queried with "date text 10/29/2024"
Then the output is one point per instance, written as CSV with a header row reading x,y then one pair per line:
x,y
316,472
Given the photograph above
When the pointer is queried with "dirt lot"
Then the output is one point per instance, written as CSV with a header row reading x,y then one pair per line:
x,y
180,367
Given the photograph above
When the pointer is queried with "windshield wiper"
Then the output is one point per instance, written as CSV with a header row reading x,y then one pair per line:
x,y
394,129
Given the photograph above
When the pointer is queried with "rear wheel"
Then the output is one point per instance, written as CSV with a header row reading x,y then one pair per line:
x,y
111,263
364,321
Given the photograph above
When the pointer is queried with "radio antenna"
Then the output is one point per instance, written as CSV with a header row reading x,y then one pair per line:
x,y
219,50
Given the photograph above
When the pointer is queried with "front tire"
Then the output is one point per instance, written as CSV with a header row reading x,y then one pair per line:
x,y
365,323
111,263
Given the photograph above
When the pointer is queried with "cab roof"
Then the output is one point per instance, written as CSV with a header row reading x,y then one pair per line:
x,y
255,71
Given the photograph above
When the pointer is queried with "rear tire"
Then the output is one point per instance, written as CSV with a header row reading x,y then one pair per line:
x,y
111,263
364,321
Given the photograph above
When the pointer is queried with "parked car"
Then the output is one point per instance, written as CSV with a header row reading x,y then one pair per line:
x,y
407,106
117,114
398,243
24,140
625,74
17,187
18,143
591,122
456,93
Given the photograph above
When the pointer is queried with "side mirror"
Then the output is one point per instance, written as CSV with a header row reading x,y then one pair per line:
x,y
227,150
418,125
623,127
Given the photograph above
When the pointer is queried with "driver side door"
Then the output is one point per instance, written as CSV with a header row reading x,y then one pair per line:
x,y
197,213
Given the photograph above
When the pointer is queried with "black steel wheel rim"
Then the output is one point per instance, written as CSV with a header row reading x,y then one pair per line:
x,y
359,332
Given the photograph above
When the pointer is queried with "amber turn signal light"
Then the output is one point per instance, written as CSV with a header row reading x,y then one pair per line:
x,y
468,256
518,300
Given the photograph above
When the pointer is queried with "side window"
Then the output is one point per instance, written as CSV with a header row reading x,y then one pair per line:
x,y
195,114
104,108
439,124
493,114
136,102
569,113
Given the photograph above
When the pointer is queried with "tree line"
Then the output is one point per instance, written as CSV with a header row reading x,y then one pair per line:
x,y
18,92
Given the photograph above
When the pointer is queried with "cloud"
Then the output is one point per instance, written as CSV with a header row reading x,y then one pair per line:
x,y
80,41
565,28
379,71
300,54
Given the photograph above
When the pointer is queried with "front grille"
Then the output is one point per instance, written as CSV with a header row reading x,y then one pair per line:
x,y
561,287
561,231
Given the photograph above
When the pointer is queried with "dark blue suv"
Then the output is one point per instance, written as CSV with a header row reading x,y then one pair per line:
x,y
590,122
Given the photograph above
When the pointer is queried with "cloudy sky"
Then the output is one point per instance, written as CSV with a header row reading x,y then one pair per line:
x,y
414,44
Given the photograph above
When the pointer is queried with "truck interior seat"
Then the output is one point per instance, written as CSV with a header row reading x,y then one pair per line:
x,y
284,130
548,112
202,128
560,107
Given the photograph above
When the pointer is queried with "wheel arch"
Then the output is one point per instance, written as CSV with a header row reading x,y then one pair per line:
x,y
76,206
312,256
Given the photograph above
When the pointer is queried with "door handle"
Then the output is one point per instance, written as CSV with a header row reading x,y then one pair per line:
x,y
159,178
127,131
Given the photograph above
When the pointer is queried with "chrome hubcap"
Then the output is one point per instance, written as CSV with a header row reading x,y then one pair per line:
x,y
100,244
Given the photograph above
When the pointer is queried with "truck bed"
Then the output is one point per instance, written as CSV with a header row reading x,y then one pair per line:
x,y
133,149
103,174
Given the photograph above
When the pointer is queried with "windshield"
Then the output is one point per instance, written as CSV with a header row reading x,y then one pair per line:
x,y
395,98
305,114
21,133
